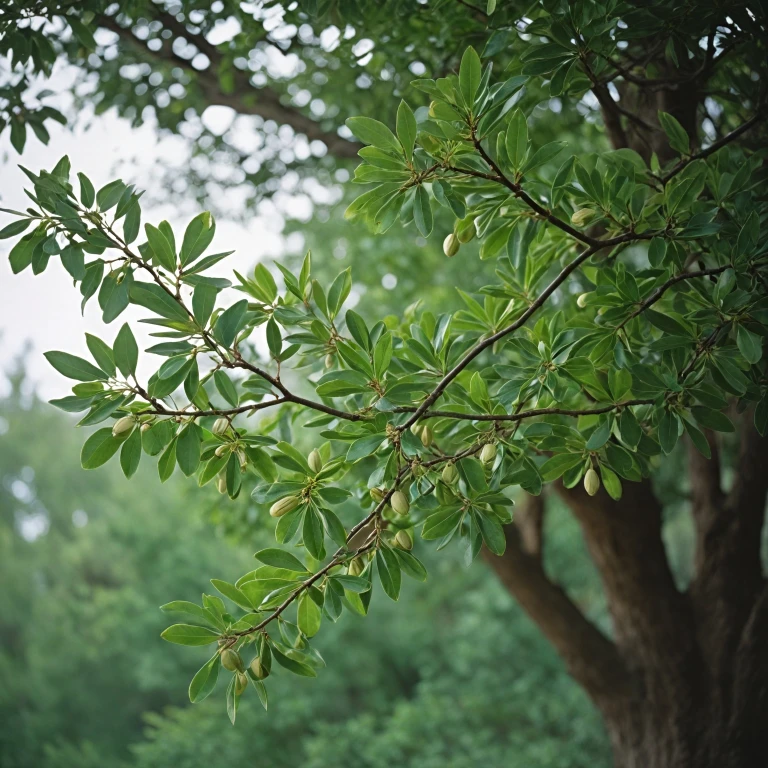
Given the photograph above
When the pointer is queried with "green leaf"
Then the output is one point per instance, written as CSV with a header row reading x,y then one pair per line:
x,y
373,132
422,211
161,248
205,679
102,354
203,303
712,419
411,565
309,615
74,367
231,592
470,74
231,322
130,455
155,299
611,482
14,228
355,584
197,237
668,431
750,345
492,532
516,141
558,465
406,128
126,351
188,449
167,462
388,569
338,292
87,192
312,534
678,138
99,448
279,558
600,436
225,387
274,339
188,634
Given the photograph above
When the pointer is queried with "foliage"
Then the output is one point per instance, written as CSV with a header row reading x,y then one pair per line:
x,y
83,686
664,255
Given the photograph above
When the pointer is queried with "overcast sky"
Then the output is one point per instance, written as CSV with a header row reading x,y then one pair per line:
x,y
45,309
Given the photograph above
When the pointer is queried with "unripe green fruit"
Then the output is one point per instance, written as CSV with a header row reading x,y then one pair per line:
x,y
451,245
241,683
399,503
258,670
315,460
582,300
582,216
377,494
427,436
231,660
416,429
329,360
123,426
591,482
220,426
450,474
466,235
488,454
284,506
404,541
221,483
356,567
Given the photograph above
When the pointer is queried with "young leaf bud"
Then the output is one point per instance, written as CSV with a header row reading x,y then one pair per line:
x,y
591,482
258,670
241,683
284,506
231,660
222,449
582,300
220,426
582,216
123,426
451,245
315,460
488,454
329,360
377,494
145,427
416,429
450,474
399,503
404,541
427,436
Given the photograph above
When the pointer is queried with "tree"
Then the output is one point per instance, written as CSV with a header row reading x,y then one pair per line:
x,y
642,272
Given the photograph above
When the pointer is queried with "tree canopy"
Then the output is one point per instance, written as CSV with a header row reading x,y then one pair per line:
x,y
625,311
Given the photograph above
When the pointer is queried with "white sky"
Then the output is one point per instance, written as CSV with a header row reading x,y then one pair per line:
x,y
45,309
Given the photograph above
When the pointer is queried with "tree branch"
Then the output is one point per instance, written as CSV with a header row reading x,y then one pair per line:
x,y
711,149
652,621
244,98
591,657
661,290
